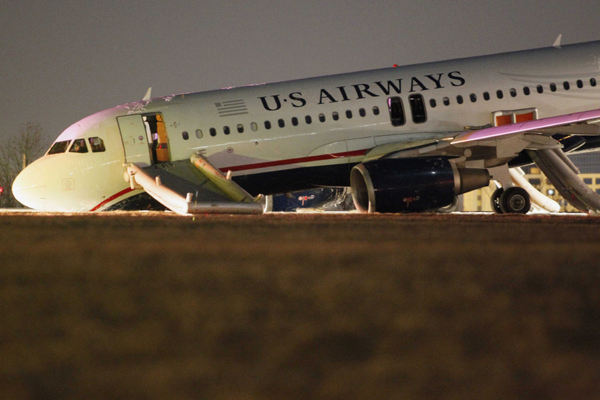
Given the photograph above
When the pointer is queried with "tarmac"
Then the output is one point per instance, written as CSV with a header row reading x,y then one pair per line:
x,y
153,305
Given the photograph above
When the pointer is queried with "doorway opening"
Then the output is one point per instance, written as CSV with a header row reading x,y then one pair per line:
x,y
157,138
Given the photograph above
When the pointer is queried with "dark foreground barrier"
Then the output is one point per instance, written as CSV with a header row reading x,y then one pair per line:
x,y
155,306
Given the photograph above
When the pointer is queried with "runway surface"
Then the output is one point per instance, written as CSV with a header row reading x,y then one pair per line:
x,y
299,306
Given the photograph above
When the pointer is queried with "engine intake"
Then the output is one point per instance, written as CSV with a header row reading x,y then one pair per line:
x,y
411,184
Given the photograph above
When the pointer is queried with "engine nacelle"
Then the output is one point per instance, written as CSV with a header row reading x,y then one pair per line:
x,y
411,184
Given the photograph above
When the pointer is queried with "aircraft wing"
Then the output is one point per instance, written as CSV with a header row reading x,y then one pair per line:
x,y
493,147
538,125
193,187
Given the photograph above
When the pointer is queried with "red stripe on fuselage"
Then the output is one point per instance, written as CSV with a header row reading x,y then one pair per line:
x,y
268,164
111,198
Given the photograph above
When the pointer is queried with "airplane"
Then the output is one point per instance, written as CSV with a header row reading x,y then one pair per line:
x,y
404,139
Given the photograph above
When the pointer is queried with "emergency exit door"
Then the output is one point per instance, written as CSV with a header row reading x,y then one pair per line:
x,y
135,139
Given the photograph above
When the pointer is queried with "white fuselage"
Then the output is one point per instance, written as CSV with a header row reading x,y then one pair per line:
x,y
313,124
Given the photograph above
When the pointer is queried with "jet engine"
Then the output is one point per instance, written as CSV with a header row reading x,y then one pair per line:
x,y
411,184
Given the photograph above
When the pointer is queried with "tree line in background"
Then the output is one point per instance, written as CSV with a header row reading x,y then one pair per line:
x,y
16,152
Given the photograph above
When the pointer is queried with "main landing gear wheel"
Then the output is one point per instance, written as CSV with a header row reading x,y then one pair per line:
x,y
495,200
515,200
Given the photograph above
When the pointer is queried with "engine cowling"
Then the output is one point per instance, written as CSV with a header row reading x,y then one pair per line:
x,y
411,184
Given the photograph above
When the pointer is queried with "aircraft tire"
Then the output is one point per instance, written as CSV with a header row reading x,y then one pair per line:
x,y
515,200
495,201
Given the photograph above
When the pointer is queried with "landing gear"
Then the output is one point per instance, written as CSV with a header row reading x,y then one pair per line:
x,y
509,199
514,200
495,200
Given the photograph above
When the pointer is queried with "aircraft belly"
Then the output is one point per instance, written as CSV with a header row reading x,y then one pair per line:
x,y
295,178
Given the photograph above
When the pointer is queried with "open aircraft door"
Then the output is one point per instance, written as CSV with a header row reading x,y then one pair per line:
x,y
160,140
135,139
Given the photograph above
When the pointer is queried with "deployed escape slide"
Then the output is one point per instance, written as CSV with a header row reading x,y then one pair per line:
x,y
537,198
563,174
193,187
186,187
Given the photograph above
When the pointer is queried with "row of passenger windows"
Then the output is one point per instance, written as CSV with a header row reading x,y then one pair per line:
x,y
396,108
295,121
527,90
78,146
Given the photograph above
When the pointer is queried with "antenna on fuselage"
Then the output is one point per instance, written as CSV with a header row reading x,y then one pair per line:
x,y
556,44
148,94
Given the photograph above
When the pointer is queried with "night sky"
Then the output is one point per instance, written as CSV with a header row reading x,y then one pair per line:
x,y
61,61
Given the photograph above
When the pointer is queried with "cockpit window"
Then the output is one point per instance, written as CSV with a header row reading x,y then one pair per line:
x,y
78,146
97,144
59,147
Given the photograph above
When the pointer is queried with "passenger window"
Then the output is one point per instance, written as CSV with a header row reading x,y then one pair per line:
x,y
579,83
335,116
213,132
308,119
396,111
362,112
459,99
59,147
322,117
432,103
499,94
417,108
240,128
348,114
567,85
486,96
513,92
295,121
553,87
473,97
375,110
254,126
267,125
446,101
97,145
226,130
198,134
526,90
540,89
281,123
592,82
78,146
185,135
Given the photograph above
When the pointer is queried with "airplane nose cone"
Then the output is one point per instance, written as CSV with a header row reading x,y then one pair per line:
x,y
29,188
